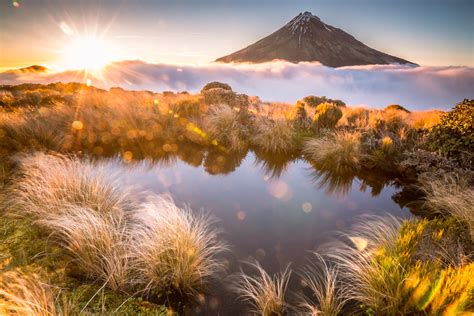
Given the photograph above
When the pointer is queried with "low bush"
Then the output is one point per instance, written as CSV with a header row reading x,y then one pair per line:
x,y
454,135
214,85
326,117
396,107
314,101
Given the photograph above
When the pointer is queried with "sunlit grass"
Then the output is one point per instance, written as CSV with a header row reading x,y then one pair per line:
x,y
275,136
24,294
340,151
225,127
49,184
173,248
265,293
450,194
328,297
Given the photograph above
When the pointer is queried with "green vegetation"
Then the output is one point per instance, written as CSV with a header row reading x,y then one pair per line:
x,y
326,117
314,101
75,240
396,107
103,236
454,135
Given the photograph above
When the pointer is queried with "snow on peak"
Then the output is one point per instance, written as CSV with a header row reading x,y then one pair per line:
x,y
299,24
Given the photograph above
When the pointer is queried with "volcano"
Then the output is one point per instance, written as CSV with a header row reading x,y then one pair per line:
x,y
307,39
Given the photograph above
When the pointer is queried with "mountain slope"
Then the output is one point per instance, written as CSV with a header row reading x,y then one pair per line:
x,y
307,38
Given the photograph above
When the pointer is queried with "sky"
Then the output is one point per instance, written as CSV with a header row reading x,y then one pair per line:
x,y
427,32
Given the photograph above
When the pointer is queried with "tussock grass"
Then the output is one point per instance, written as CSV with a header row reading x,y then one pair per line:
x,y
173,248
25,294
425,119
224,126
374,283
393,268
275,136
265,293
49,184
95,242
340,151
451,194
328,296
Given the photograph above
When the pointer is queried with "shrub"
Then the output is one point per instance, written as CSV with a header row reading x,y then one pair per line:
x,y
173,248
265,293
214,85
454,135
395,107
327,115
314,101
219,96
301,120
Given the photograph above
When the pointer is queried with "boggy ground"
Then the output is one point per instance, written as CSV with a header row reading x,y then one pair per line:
x,y
153,257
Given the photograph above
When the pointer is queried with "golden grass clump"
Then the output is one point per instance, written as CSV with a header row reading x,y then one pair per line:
x,y
49,184
392,268
425,119
356,117
95,241
340,151
25,295
374,283
328,296
450,194
80,203
173,248
265,293
224,126
273,135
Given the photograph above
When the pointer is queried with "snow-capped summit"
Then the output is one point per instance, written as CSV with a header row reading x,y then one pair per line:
x,y
307,38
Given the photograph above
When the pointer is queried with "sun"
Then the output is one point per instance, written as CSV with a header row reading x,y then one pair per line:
x,y
86,53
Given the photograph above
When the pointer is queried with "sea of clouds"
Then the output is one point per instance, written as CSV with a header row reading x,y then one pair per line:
x,y
375,86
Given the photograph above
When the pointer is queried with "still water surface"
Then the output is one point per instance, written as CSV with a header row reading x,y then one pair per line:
x,y
271,212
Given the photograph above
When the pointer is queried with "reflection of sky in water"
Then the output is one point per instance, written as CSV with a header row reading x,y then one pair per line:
x,y
274,220
282,216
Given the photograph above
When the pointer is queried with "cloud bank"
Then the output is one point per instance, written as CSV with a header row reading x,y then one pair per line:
x,y
375,86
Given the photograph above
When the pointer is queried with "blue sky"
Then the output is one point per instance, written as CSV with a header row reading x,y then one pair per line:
x,y
428,32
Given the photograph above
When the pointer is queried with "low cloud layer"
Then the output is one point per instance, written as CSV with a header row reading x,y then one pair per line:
x,y
375,86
